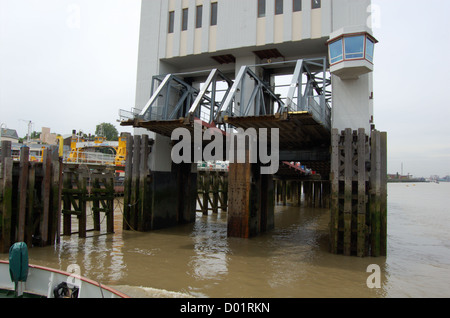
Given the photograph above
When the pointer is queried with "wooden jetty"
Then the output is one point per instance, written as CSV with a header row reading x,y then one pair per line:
x,y
212,189
82,185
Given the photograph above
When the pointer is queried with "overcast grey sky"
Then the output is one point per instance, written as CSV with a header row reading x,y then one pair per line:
x,y
71,64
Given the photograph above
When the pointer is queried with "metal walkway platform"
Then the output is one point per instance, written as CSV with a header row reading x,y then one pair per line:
x,y
302,115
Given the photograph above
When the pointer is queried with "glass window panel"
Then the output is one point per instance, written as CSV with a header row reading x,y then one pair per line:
x,y
315,4
297,5
199,17
214,13
336,51
171,21
279,6
354,47
370,47
261,8
184,22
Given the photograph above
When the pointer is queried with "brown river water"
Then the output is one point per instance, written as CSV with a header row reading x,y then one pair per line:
x,y
292,261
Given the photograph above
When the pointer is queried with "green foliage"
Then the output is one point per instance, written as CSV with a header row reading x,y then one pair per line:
x,y
108,131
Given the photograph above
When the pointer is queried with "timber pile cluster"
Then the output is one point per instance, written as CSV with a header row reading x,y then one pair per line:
x,y
82,185
30,198
358,193
212,189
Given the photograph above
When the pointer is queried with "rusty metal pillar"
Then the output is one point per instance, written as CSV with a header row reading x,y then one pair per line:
x,y
250,201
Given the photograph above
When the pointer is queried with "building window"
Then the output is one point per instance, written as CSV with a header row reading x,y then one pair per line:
x,y
297,5
199,17
279,6
336,51
316,4
370,47
214,13
171,21
261,8
184,21
354,47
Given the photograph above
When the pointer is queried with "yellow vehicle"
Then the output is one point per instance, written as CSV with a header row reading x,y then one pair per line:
x,y
99,151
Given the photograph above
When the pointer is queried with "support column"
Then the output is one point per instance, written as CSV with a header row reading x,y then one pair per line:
x,y
283,192
251,201
158,193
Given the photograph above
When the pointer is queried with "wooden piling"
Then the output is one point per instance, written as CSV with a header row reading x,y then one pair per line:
x,y
127,184
383,194
110,204
134,209
143,184
67,205
206,186
31,204
334,197
284,192
46,188
375,193
348,178
7,205
96,186
215,193
30,195
23,191
358,193
82,197
96,206
317,194
362,194
56,194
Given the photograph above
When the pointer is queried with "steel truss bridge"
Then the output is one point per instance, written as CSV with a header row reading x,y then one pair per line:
x,y
301,109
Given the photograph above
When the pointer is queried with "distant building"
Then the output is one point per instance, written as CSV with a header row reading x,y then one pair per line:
x,y
9,135
47,137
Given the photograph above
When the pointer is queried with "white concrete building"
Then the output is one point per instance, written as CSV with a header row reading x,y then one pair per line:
x,y
183,37
190,35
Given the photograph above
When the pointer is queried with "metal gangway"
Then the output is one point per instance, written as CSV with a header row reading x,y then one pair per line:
x,y
300,109
221,98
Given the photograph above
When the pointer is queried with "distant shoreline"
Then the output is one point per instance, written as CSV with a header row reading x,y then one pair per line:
x,y
410,181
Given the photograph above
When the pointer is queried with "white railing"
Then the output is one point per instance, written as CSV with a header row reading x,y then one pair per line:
x,y
97,158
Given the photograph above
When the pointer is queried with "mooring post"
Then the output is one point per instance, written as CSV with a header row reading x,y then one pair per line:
x,y
56,193
30,201
82,205
334,197
223,191
317,193
23,182
143,206
206,185
46,189
308,190
326,194
7,203
348,179
383,193
284,192
375,193
135,199
215,192
67,205
362,193
127,184
96,204
110,203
